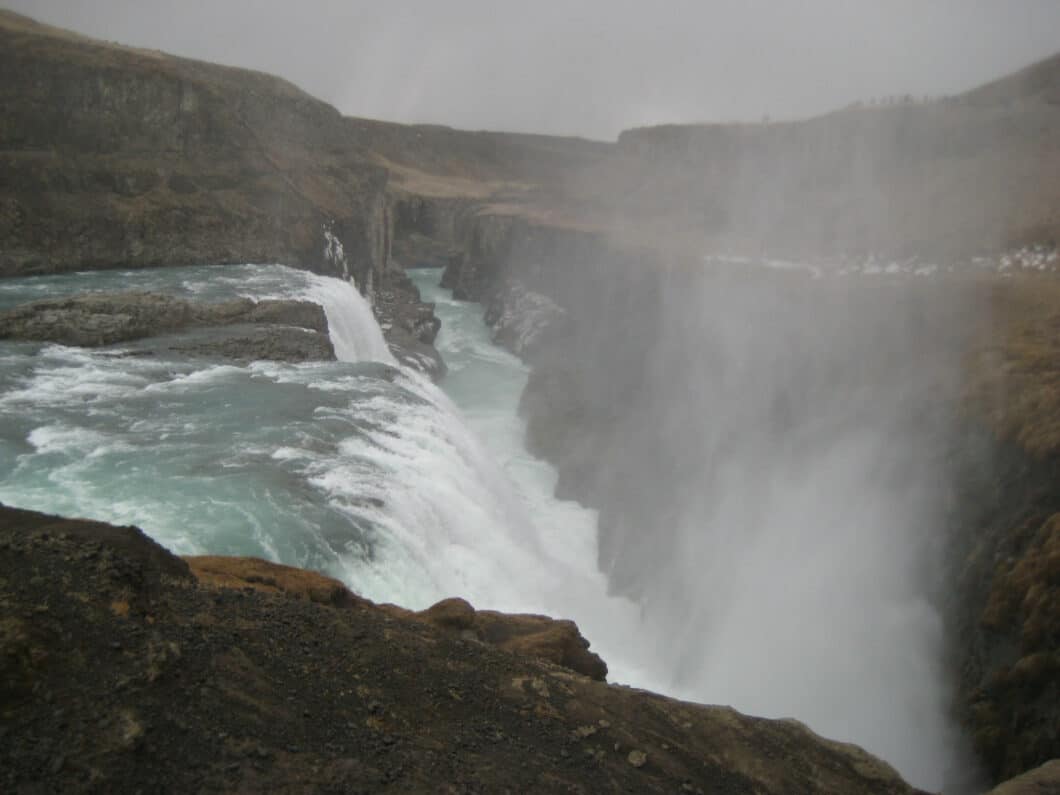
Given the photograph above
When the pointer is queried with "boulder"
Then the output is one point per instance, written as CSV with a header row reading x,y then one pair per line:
x,y
554,640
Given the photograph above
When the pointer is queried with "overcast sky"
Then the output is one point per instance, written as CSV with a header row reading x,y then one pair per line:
x,y
587,67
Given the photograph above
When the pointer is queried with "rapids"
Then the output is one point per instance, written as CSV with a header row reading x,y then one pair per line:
x,y
358,467
407,492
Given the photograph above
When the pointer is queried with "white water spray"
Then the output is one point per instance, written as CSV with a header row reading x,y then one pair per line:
x,y
355,334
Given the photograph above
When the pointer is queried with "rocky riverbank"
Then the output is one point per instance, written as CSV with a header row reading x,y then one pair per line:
x,y
226,675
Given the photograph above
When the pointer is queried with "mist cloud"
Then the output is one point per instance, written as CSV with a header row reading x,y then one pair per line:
x,y
588,68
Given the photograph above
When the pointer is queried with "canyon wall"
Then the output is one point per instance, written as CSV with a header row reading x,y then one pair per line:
x,y
942,180
609,300
630,369
590,254
115,157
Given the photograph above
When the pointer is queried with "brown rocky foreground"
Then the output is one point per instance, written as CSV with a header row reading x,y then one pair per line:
x,y
124,668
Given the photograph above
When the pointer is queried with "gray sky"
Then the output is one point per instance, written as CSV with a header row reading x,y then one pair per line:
x,y
587,67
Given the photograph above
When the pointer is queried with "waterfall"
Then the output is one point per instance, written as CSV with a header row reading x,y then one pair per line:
x,y
354,331
780,492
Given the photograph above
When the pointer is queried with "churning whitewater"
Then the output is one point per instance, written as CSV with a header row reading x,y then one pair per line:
x,y
367,471
358,468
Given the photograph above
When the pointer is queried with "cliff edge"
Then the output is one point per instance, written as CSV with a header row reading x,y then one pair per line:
x,y
125,668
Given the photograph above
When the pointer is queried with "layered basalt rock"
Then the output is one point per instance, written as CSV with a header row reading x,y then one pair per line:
x,y
116,157
282,330
409,325
425,229
125,668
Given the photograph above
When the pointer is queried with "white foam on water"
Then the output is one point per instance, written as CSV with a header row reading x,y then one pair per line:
x,y
514,545
66,376
196,378
63,438
445,512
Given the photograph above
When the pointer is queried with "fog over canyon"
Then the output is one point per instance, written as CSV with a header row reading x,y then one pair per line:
x,y
766,407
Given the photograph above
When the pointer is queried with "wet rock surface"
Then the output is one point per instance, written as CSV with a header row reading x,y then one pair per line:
x,y
271,329
556,641
247,343
409,325
121,671
524,321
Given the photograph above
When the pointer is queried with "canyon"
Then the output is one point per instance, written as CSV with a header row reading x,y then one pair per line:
x,y
609,268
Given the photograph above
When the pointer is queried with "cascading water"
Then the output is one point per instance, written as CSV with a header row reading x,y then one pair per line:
x,y
774,495
356,467
355,335
409,494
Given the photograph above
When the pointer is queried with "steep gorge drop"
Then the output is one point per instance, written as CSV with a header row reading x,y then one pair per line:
x,y
411,494
360,467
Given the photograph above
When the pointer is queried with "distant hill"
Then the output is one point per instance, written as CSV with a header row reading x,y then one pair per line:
x,y
113,155
974,172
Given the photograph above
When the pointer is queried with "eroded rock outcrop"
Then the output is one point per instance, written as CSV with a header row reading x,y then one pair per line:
x,y
409,325
524,321
544,638
557,641
121,671
271,329
118,157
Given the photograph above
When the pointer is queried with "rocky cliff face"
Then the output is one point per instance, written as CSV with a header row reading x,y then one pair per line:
x,y
948,179
236,675
604,382
940,182
1003,606
121,157
115,157
1005,538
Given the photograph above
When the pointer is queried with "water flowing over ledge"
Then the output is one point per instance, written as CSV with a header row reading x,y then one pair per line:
x,y
360,468
410,494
